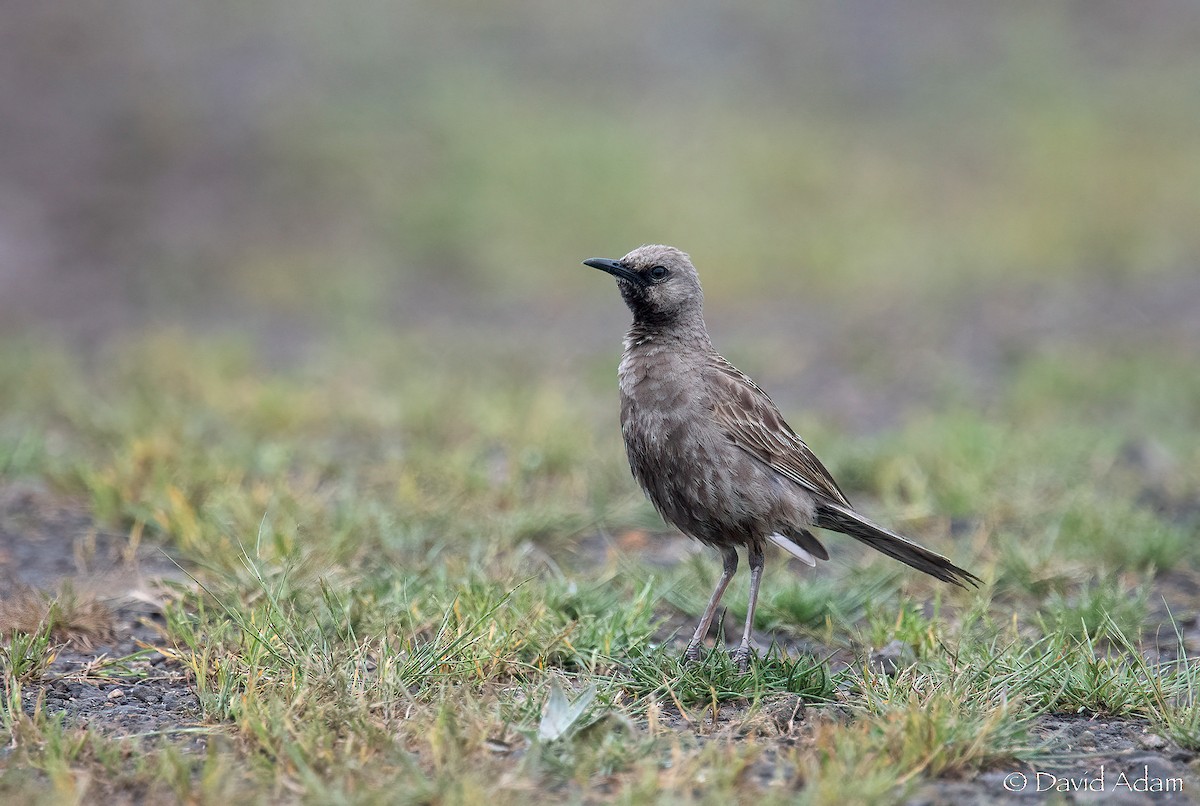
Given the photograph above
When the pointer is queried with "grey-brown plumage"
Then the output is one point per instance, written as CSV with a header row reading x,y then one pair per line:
x,y
711,450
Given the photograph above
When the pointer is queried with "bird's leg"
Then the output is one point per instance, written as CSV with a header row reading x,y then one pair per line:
x,y
742,655
729,554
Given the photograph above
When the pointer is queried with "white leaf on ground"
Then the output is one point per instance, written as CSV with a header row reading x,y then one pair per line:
x,y
560,715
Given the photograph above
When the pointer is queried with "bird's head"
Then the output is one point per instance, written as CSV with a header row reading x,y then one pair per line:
x,y
658,283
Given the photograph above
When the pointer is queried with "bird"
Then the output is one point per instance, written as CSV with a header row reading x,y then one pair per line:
x,y
713,453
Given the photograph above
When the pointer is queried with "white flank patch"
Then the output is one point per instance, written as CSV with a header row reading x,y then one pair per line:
x,y
791,548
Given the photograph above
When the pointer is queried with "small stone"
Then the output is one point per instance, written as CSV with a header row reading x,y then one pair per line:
x,y
1154,766
1152,741
116,694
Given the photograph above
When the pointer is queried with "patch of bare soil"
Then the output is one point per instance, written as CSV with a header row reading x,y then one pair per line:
x,y
99,594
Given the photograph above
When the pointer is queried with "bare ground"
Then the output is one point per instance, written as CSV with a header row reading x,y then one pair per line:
x,y
107,674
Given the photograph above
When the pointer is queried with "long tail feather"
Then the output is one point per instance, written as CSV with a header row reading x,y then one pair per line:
x,y
847,521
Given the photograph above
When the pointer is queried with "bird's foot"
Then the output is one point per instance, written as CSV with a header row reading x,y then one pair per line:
x,y
691,654
741,656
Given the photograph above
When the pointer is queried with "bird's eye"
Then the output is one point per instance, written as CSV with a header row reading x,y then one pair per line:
x,y
659,273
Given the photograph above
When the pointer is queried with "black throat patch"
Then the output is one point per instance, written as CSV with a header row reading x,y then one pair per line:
x,y
644,311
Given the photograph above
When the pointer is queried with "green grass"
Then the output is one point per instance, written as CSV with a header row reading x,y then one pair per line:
x,y
386,589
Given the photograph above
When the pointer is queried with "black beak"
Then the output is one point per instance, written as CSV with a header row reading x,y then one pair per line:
x,y
616,268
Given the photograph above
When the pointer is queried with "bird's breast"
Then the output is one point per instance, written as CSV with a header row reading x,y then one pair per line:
x,y
671,448
696,478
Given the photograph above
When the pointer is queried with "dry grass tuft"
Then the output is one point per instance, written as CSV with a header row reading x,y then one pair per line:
x,y
79,619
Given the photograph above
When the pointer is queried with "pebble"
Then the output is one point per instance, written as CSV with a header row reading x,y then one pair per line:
x,y
1154,766
1152,741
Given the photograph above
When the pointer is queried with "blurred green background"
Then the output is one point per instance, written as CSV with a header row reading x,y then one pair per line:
x,y
292,170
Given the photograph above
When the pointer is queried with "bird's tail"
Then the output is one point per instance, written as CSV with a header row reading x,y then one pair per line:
x,y
844,520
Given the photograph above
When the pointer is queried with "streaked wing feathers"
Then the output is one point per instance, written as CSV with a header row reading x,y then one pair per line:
x,y
751,421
